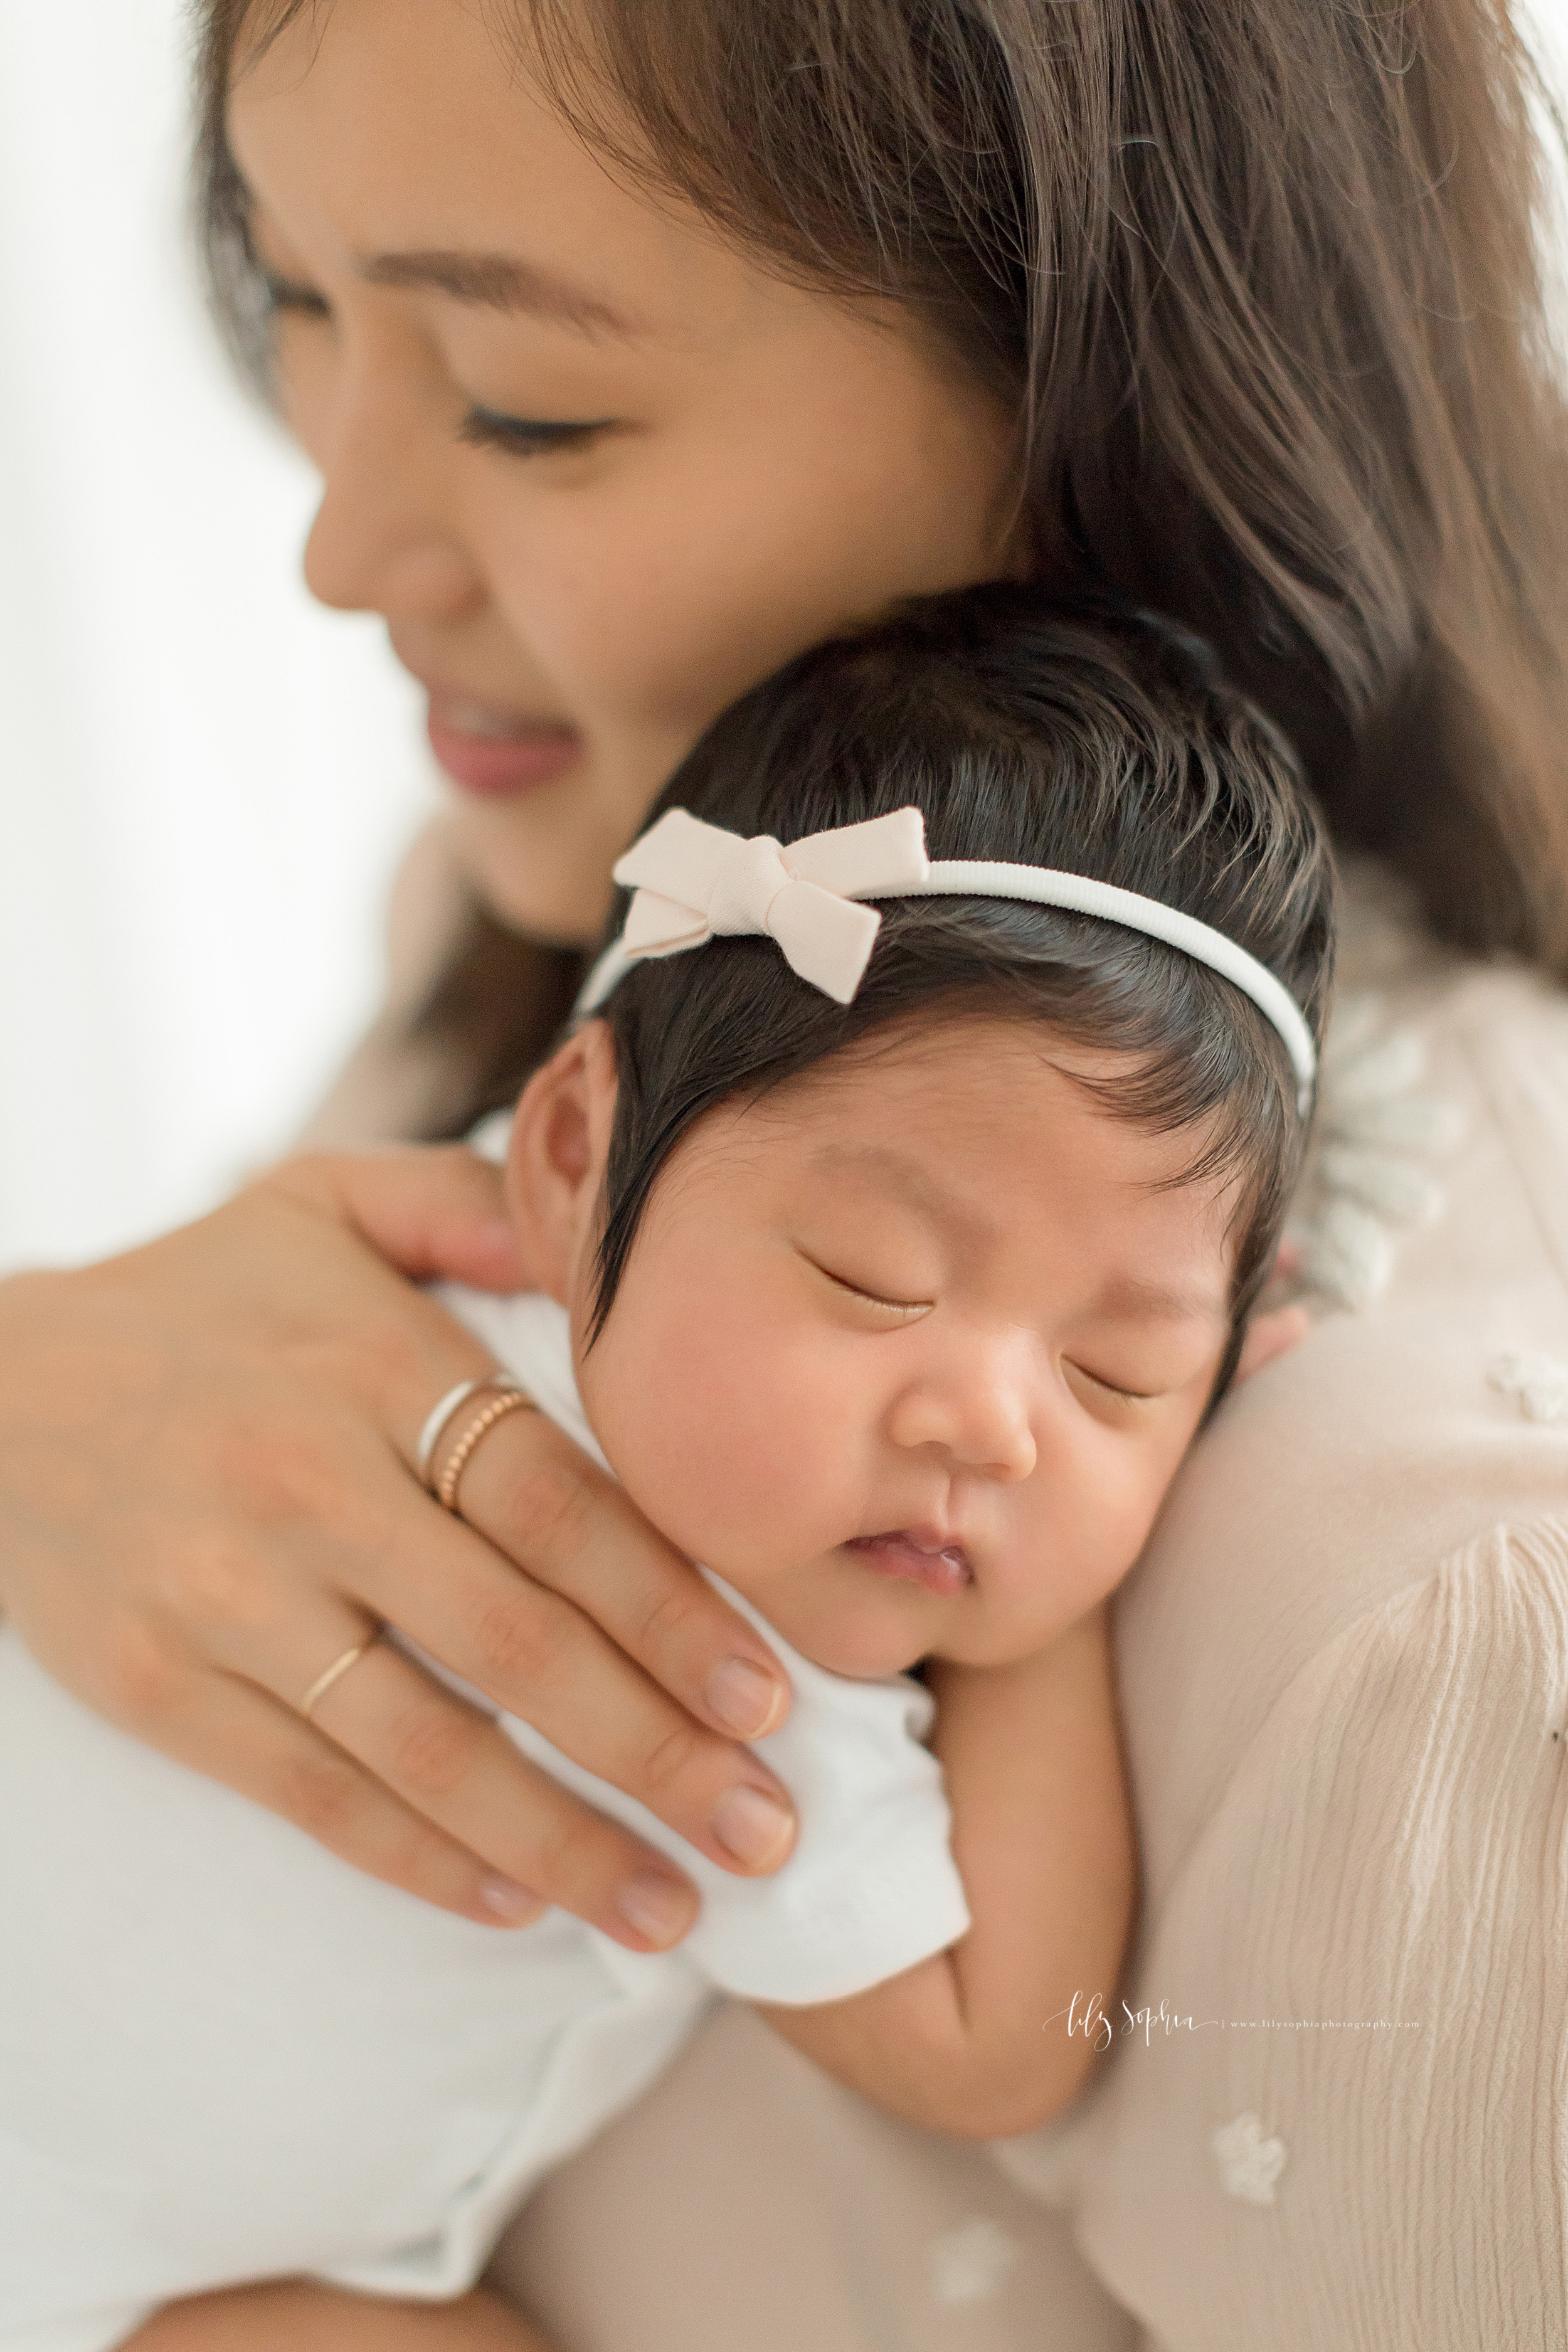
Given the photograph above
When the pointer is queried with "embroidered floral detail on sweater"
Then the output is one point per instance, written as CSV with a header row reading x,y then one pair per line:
x,y
1540,1383
1365,1179
1249,2163
970,2262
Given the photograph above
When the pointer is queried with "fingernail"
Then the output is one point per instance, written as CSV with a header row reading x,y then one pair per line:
x,y
658,1907
509,1901
744,1697
751,1826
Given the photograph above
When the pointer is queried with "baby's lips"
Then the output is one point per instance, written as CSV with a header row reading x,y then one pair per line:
x,y
918,1554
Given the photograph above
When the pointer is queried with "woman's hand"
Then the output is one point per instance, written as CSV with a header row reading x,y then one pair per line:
x,y
205,1497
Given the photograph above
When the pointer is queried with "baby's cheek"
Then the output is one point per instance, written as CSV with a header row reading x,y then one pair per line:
x,y
1131,1503
733,1447
1080,1534
772,1471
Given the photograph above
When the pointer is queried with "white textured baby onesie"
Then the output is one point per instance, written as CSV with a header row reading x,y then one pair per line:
x,y
225,2055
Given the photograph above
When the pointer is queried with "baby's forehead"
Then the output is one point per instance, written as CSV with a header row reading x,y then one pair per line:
x,y
983,1137
967,1080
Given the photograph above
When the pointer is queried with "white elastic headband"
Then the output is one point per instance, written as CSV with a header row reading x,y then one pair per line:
x,y
695,882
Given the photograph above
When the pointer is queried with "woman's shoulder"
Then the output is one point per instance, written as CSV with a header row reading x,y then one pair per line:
x,y
1350,2008
1342,1664
1443,1111
1429,1405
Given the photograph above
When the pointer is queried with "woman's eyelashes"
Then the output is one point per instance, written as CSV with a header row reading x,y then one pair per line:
x,y
291,295
526,436
482,428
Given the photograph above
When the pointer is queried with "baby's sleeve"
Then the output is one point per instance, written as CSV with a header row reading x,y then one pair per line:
x,y
871,1888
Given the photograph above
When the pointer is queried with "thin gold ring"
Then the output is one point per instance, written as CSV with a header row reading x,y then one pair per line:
x,y
335,1673
502,1400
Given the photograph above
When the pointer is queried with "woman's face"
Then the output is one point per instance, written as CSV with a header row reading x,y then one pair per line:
x,y
599,472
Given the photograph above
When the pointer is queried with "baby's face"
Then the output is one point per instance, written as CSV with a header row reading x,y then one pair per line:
x,y
908,1351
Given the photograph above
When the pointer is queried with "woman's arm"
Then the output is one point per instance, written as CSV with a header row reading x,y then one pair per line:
x,y
303,2316
996,2034
205,1496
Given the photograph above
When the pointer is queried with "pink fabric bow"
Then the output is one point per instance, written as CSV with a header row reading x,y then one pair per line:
x,y
694,881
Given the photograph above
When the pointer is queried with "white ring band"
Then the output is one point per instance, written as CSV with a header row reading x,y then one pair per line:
x,y
439,1417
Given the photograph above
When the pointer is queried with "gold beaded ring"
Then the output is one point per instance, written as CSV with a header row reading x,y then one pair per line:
x,y
503,1399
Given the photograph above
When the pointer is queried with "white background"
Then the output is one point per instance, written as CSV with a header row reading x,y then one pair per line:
x,y
205,782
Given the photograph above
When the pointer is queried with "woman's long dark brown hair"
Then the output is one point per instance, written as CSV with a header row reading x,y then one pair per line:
x,y
1265,283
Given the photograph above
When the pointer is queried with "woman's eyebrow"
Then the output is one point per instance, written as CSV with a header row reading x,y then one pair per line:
x,y
499,282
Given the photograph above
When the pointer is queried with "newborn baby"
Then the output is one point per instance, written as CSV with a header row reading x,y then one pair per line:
x,y
898,1204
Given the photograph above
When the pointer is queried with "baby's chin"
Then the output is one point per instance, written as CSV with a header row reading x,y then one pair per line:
x,y
850,1618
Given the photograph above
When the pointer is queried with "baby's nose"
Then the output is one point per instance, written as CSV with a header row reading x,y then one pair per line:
x,y
981,1420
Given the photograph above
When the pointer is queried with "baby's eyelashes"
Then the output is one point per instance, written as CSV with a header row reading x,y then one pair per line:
x,y
1116,1390
901,1309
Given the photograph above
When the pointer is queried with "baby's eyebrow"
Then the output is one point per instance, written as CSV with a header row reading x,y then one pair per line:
x,y
1133,1299
906,1176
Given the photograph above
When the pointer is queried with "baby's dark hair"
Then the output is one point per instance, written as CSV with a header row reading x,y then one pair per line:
x,y
1098,741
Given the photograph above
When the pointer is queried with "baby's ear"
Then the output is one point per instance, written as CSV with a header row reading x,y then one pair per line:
x,y
1270,1335
555,1162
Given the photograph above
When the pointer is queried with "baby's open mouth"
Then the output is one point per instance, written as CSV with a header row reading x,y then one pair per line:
x,y
916,1556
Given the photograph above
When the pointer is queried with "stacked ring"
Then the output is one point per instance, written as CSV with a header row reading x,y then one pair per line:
x,y
500,1396
435,1422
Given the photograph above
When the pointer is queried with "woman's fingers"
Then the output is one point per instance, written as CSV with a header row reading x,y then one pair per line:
x,y
223,1727
454,1768
435,1214
538,1655
202,1503
542,1503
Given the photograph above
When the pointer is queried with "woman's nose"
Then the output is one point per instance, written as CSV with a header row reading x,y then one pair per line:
x,y
387,534
977,1411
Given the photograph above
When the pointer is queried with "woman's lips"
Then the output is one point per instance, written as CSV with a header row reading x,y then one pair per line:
x,y
919,1558
495,753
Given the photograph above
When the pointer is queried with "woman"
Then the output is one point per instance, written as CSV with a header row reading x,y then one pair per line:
x,y
640,344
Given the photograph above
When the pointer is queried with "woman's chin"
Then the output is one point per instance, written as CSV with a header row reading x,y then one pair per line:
x,y
523,876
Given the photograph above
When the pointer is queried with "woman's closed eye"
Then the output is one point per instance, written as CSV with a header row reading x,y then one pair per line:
x,y
527,436
292,296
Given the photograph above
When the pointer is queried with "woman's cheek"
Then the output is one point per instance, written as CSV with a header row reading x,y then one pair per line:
x,y
651,615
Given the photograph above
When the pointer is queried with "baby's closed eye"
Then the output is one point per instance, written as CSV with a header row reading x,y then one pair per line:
x,y
1101,1389
865,1292
1104,1384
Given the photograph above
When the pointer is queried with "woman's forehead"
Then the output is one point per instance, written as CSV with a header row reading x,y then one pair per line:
x,y
409,132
